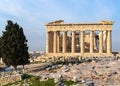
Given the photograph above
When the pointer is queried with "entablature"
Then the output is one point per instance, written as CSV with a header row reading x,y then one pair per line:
x,y
61,26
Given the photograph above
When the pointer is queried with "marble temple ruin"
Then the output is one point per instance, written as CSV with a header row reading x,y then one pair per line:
x,y
79,39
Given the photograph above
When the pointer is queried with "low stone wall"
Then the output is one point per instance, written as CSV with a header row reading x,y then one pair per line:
x,y
9,77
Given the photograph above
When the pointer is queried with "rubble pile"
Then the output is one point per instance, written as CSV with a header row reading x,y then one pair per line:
x,y
102,71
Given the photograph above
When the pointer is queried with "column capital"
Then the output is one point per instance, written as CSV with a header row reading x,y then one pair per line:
x,y
101,31
82,30
54,31
64,31
73,30
109,30
92,30
58,31
48,31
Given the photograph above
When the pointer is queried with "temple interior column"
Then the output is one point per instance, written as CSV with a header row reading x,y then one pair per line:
x,y
55,47
94,47
108,41
64,42
101,42
91,41
82,41
73,42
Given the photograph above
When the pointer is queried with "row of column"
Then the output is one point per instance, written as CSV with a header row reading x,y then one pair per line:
x,y
56,43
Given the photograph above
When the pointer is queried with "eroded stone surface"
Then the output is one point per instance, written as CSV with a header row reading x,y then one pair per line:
x,y
9,77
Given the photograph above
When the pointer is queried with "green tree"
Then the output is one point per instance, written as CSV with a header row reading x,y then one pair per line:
x,y
14,46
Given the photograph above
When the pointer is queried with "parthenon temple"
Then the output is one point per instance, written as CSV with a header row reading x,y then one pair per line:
x,y
79,39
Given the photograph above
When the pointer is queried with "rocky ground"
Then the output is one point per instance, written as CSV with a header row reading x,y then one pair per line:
x,y
101,71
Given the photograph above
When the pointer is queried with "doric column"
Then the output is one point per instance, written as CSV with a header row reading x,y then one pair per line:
x,y
50,44
58,42
104,41
91,41
61,43
73,42
64,42
101,42
47,42
55,47
109,41
82,41
94,42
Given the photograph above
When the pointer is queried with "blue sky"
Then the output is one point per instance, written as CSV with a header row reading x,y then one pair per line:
x,y
32,15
